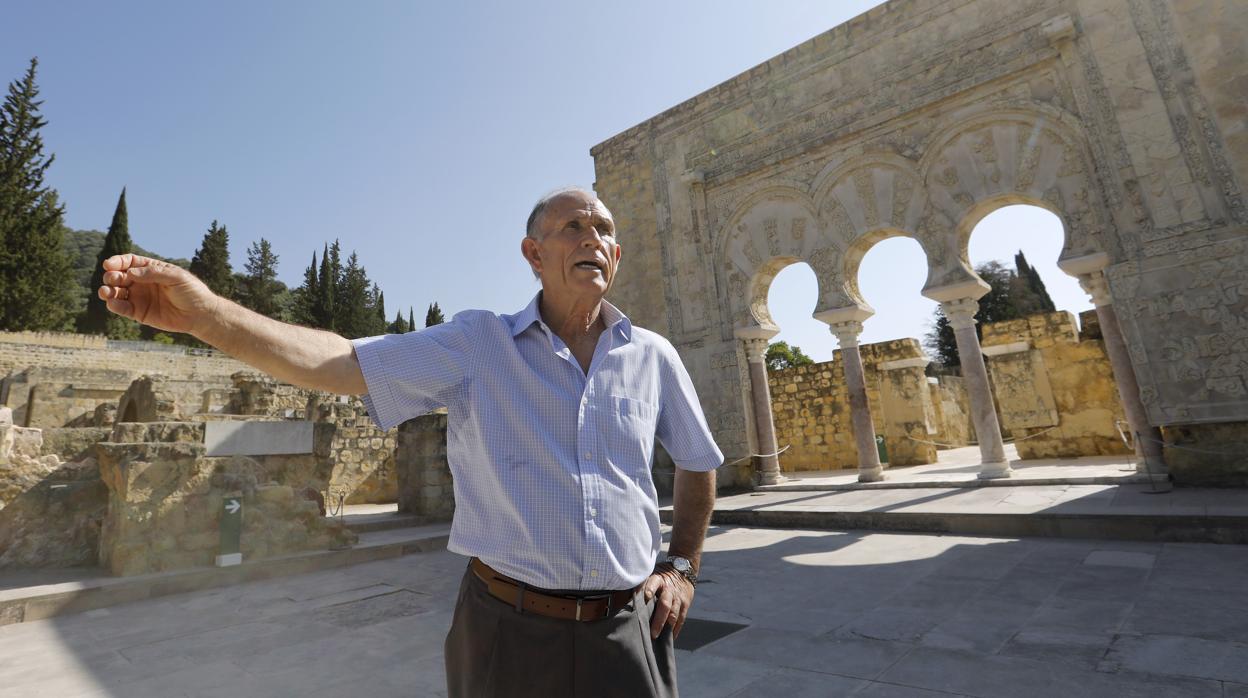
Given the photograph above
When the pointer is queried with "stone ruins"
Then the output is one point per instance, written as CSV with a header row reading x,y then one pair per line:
x,y
1126,118
123,454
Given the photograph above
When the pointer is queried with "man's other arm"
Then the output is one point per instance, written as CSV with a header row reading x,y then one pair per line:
x,y
170,298
693,499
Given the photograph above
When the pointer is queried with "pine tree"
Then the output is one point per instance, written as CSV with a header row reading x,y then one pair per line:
x,y
36,285
211,262
434,315
259,287
97,319
399,326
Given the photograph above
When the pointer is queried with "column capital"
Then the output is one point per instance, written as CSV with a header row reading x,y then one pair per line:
x,y
960,312
755,349
846,332
1097,287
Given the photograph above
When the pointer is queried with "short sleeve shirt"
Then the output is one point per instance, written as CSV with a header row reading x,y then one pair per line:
x,y
551,464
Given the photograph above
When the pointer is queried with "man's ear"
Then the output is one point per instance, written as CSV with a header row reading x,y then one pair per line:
x,y
532,254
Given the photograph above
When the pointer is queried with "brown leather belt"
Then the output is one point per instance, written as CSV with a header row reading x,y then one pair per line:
x,y
525,598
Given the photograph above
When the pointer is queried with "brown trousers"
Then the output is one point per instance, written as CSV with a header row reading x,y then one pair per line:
x,y
492,650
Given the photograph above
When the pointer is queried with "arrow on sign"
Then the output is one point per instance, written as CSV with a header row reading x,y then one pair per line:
x,y
233,506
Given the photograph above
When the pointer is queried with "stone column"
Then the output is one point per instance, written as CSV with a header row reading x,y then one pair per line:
x,y
869,468
764,426
1146,437
961,315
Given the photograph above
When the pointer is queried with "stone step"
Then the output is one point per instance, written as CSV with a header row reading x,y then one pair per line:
x,y
1122,512
806,485
38,601
370,523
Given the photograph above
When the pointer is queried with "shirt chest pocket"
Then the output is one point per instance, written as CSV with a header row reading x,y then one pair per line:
x,y
629,430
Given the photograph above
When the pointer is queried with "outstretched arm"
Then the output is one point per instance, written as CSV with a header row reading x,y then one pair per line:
x,y
167,297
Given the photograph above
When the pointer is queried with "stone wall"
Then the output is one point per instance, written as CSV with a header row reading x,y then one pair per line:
x,y
166,500
50,511
1055,393
953,412
257,393
360,454
424,476
811,409
137,357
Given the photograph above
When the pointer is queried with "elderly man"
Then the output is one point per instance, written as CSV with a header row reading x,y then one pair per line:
x,y
553,413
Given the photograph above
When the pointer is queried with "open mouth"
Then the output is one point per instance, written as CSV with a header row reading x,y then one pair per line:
x,y
592,265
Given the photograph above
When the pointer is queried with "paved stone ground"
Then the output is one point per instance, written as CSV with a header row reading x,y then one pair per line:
x,y
827,614
962,465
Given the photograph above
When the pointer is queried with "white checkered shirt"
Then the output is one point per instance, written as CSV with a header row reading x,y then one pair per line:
x,y
551,465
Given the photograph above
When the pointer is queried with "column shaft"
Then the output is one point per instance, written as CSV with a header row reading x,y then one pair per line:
x,y
961,314
869,468
1145,437
764,425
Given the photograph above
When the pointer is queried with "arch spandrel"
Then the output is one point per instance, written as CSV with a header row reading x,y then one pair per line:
x,y
862,201
772,229
1034,156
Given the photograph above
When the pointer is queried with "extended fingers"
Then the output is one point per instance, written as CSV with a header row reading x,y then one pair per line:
x,y
122,262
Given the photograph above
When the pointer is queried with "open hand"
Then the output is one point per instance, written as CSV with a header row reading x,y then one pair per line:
x,y
155,293
675,596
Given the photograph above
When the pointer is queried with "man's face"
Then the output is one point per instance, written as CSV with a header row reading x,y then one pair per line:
x,y
575,252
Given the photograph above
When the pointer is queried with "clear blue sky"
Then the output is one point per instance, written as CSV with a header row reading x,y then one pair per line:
x,y
417,133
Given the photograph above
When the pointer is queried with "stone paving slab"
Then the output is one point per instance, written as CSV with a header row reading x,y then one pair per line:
x,y
44,594
827,614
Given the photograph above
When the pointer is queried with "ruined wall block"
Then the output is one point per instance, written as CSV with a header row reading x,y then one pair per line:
x,y
1055,389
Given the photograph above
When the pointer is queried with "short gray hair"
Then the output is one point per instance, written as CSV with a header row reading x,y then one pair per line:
x,y
530,228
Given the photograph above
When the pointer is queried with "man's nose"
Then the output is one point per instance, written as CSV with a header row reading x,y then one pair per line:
x,y
592,238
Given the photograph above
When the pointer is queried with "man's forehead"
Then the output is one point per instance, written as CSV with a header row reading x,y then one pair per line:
x,y
579,204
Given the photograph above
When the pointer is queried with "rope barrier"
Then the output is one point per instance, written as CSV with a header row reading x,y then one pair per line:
x,y
1010,441
760,455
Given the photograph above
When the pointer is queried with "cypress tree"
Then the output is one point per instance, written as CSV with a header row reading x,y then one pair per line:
x,y
306,296
433,316
36,286
97,319
411,319
327,284
997,305
380,308
1035,285
260,285
399,326
355,316
211,262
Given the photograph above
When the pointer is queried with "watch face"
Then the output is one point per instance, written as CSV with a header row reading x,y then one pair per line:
x,y
681,564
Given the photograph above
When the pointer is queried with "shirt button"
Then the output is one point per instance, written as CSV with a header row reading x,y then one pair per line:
x,y
593,573
593,511
589,455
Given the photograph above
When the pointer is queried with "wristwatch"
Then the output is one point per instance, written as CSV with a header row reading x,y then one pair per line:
x,y
684,567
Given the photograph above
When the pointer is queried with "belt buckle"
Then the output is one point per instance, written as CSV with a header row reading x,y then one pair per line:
x,y
582,599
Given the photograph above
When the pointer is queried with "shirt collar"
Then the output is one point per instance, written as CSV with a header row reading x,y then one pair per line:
x,y
611,315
